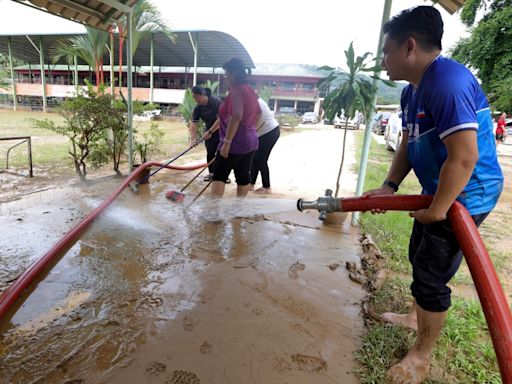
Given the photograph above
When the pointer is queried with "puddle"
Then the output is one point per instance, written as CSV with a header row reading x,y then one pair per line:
x,y
162,292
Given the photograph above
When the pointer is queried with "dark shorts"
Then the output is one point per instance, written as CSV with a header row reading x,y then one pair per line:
x,y
435,256
499,137
240,164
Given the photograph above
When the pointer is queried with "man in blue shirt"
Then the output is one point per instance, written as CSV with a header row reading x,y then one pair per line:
x,y
448,142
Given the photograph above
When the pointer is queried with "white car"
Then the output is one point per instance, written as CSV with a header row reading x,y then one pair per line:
x,y
309,117
339,122
393,132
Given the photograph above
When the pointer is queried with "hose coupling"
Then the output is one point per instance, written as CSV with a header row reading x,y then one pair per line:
x,y
324,204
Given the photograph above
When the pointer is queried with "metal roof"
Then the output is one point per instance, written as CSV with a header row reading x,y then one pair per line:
x,y
214,49
99,14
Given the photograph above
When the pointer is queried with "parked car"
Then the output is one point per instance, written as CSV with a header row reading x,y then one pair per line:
x,y
393,132
339,122
309,117
289,111
287,117
380,122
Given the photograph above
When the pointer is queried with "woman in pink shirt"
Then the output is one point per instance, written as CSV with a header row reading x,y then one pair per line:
x,y
238,115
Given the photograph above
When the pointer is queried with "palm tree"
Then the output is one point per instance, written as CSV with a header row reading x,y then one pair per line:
x,y
355,92
89,47
146,20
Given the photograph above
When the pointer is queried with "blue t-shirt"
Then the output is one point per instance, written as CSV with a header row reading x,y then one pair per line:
x,y
448,100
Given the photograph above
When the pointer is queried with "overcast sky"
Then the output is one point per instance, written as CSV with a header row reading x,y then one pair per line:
x,y
272,31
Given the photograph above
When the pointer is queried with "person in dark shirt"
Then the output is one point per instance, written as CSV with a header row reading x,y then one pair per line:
x,y
207,109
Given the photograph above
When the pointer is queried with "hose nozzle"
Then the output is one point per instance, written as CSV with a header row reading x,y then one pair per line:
x,y
324,204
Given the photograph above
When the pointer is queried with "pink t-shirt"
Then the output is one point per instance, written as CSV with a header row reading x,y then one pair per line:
x,y
241,101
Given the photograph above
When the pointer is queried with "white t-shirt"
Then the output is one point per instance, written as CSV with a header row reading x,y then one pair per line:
x,y
266,123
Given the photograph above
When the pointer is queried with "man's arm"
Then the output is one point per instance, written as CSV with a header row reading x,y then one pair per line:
x,y
215,127
192,130
400,167
462,148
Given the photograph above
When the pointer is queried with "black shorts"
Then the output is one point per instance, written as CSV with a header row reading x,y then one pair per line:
x,y
435,256
499,137
240,164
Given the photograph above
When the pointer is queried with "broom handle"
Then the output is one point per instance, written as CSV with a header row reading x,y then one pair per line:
x,y
200,193
196,176
169,162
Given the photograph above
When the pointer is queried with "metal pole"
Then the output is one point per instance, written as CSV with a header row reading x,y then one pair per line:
x,y
29,73
43,77
129,85
75,74
112,80
195,48
14,98
151,75
29,143
368,130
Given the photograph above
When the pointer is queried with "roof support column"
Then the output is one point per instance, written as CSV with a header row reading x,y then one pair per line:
x,y
195,48
129,17
14,99
75,72
112,79
368,129
43,77
151,59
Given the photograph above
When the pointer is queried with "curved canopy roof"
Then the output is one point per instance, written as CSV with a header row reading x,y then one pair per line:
x,y
214,49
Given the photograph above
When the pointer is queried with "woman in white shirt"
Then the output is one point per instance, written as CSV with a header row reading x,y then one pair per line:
x,y
268,132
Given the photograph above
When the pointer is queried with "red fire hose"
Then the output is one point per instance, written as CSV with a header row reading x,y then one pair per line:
x,y
9,296
493,300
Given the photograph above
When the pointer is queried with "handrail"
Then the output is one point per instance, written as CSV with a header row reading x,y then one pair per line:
x,y
24,139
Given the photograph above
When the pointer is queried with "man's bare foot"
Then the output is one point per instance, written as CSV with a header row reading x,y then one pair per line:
x,y
411,370
407,320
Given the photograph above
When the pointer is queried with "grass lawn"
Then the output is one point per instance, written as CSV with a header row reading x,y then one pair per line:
x,y
464,353
50,151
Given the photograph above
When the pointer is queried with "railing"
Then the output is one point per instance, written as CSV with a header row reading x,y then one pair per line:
x,y
24,139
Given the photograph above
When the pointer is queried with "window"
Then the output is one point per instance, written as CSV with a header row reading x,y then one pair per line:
x,y
304,106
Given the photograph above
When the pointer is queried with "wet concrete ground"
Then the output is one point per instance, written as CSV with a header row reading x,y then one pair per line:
x,y
158,292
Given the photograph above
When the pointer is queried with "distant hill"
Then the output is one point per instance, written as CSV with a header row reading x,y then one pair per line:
x,y
385,93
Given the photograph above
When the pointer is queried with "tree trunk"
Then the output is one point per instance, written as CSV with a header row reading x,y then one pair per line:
x,y
342,159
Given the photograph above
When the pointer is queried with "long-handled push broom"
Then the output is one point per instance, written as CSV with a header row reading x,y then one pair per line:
x,y
179,196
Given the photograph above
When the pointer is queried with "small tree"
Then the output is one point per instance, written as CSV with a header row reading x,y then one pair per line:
x,y
87,118
149,142
355,92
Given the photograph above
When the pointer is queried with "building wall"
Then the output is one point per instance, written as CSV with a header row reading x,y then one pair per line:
x,y
295,91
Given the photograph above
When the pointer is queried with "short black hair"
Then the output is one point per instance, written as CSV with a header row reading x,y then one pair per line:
x,y
237,67
424,23
198,90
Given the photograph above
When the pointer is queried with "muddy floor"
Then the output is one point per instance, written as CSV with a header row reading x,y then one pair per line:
x,y
160,292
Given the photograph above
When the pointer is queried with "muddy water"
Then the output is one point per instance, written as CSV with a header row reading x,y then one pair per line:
x,y
159,292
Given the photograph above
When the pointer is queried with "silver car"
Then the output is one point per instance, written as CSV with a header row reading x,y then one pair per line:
x,y
309,117
393,131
